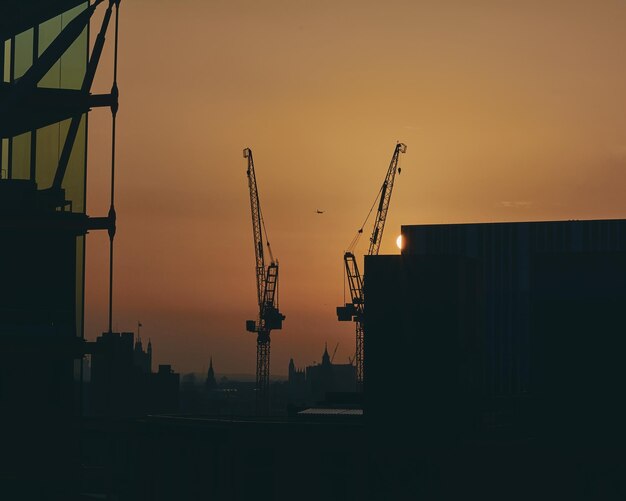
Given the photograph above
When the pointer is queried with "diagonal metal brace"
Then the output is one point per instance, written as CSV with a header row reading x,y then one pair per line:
x,y
87,81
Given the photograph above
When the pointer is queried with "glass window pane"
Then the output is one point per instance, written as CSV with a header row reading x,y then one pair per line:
x,y
48,31
74,182
23,52
74,60
67,73
4,161
7,61
48,144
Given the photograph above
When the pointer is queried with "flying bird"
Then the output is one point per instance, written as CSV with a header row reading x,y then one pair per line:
x,y
320,211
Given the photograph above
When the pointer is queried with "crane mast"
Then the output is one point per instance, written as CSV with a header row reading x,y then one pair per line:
x,y
269,317
354,311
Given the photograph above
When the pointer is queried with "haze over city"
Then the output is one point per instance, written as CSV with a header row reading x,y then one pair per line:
x,y
483,360
510,112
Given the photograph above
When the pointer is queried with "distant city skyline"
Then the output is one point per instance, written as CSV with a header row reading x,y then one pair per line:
x,y
510,112
488,362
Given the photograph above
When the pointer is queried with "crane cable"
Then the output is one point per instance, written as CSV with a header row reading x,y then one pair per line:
x,y
356,238
267,241
269,249
344,286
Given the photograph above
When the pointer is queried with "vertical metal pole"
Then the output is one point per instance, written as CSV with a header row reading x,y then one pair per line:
x,y
2,49
11,79
114,91
33,132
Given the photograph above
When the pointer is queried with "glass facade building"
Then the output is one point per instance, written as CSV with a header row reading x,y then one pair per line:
x,y
46,72
32,143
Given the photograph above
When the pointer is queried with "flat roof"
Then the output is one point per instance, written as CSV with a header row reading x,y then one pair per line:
x,y
323,411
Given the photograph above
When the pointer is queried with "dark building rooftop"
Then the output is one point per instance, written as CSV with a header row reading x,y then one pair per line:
x,y
500,340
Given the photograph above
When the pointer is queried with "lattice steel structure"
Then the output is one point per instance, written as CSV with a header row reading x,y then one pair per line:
x,y
354,311
47,72
270,317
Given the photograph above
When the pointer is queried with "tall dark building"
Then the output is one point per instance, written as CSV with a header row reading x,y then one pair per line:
x,y
164,390
499,340
45,96
512,276
115,380
121,382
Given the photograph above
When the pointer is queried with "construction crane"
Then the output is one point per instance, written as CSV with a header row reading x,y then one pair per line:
x,y
269,317
354,310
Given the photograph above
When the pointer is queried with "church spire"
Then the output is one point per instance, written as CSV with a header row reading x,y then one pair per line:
x,y
326,356
210,382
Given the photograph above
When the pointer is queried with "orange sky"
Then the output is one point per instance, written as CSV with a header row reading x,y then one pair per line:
x,y
511,111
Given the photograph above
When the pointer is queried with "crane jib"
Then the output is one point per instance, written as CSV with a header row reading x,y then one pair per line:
x,y
355,309
382,197
267,277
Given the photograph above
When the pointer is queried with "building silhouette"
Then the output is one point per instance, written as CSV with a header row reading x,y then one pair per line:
x,y
499,340
316,381
143,359
114,376
492,371
122,383
164,390
45,95
210,384
296,383
328,377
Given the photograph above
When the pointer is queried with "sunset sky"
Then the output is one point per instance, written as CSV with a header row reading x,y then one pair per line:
x,y
510,110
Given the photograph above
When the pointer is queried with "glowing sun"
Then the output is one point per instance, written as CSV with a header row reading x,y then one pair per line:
x,y
399,242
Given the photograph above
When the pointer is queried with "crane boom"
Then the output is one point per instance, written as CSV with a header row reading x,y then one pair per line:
x,y
355,310
267,293
256,226
385,199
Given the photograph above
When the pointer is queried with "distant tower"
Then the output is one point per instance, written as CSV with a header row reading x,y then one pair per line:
x,y
296,384
292,369
141,359
149,356
210,383
325,356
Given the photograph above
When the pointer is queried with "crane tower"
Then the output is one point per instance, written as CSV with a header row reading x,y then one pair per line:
x,y
354,310
269,317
